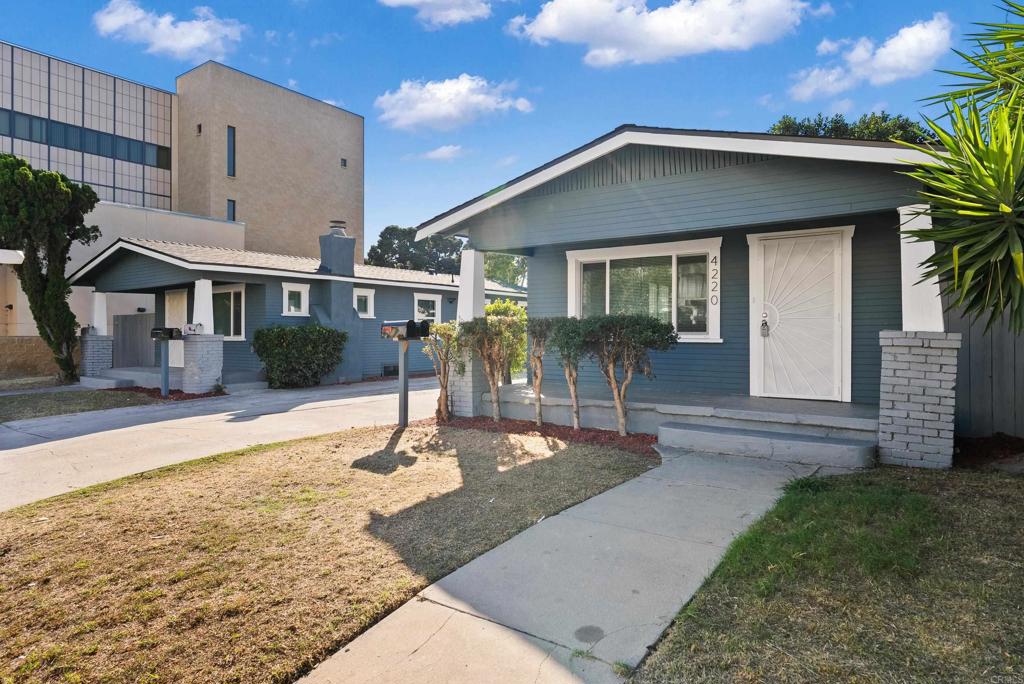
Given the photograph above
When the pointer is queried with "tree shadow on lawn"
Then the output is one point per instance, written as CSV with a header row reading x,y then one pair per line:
x,y
387,460
509,482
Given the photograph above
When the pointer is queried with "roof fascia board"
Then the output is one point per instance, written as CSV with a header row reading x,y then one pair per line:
x,y
781,148
219,268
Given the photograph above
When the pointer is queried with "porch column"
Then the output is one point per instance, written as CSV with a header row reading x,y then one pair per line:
x,y
922,303
99,313
471,285
202,306
466,390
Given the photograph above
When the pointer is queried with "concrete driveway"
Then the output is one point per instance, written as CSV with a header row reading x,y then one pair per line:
x,y
43,457
567,599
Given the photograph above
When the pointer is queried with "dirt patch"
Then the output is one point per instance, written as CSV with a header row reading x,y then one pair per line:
x,y
984,452
637,443
172,395
255,566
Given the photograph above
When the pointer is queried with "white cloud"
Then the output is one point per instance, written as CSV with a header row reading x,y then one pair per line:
x,y
910,52
825,9
293,84
842,106
325,39
440,13
508,160
448,104
627,31
205,37
443,153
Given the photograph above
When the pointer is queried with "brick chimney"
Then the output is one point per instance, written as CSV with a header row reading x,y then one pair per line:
x,y
337,250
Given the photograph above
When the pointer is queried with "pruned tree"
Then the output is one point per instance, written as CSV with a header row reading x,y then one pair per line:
x,y
397,247
42,213
494,339
442,346
538,330
517,360
621,346
507,269
567,339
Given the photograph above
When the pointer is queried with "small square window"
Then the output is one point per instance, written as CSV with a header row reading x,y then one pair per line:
x,y
295,299
362,301
344,163
427,307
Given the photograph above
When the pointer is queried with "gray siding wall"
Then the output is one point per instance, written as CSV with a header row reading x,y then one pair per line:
x,y
724,368
396,304
718,193
990,378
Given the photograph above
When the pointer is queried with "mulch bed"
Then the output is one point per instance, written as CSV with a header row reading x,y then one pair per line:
x,y
173,395
635,443
978,452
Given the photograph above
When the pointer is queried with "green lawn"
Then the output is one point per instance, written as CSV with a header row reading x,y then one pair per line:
x,y
22,406
883,576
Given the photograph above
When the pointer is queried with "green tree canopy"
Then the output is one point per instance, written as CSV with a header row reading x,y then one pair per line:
x,y
397,247
42,213
507,269
873,126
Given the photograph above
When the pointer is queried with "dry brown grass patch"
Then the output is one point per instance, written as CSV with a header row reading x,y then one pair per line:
x,y
254,566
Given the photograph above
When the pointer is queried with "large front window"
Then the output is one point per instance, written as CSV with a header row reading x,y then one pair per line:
x,y
229,311
678,283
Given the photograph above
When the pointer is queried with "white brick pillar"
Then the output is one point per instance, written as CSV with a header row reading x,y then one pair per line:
x,y
467,389
202,305
204,363
97,354
922,305
917,404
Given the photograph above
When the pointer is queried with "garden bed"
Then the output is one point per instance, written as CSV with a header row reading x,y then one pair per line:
x,y
254,566
642,444
172,395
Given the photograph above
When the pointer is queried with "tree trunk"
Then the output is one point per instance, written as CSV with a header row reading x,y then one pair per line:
x,y
570,380
506,377
538,381
492,380
442,413
620,408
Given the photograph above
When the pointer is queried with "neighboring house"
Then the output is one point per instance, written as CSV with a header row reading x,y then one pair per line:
x,y
777,259
233,293
228,159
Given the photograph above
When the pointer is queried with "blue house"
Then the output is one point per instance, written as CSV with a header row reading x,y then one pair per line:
x,y
222,296
800,312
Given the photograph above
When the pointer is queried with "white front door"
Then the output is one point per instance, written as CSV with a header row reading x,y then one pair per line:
x,y
176,316
799,310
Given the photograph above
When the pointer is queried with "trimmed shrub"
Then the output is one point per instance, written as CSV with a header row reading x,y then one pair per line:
x,y
298,356
567,339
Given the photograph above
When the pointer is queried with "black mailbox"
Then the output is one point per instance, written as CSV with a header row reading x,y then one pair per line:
x,y
405,330
165,333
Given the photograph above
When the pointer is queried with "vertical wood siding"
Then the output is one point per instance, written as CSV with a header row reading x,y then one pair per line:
x,y
725,368
133,345
990,378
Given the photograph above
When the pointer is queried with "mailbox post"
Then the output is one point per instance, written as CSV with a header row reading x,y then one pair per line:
x,y
402,332
164,336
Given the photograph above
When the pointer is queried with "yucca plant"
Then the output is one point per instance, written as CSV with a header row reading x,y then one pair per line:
x,y
975,192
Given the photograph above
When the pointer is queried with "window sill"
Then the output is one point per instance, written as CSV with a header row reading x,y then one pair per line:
x,y
687,339
234,339
366,317
292,314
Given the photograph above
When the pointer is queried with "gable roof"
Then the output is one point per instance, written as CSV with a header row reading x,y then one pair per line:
x,y
836,149
207,258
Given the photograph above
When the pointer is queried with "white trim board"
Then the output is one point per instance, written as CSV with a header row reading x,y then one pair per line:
x,y
438,303
782,148
303,290
846,305
252,270
367,292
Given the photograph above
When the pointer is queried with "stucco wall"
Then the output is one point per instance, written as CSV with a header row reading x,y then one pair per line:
x,y
26,357
289,182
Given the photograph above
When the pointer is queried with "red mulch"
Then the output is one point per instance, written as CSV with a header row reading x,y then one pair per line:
x,y
977,452
636,443
173,395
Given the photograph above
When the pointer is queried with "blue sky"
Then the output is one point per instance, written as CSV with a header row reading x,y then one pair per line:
x,y
461,95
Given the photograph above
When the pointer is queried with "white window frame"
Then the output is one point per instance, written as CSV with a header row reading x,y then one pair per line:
x,y
416,297
302,289
358,292
235,287
711,247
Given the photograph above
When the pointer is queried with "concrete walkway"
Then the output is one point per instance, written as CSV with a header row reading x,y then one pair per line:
x,y
582,590
43,457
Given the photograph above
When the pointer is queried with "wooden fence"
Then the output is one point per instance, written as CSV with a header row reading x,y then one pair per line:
x,y
133,345
990,378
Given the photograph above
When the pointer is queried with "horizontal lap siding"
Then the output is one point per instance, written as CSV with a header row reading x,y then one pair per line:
x,y
744,194
724,368
396,304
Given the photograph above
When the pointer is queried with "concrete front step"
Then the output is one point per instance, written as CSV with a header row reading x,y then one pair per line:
x,y
790,447
93,382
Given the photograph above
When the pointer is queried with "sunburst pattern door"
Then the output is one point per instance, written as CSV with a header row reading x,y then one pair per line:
x,y
800,325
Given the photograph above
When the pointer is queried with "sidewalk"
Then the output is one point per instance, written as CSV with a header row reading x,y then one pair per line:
x,y
574,595
43,457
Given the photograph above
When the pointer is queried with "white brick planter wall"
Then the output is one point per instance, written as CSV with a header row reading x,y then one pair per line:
x,y
97,354
467,389
204,363
918,398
